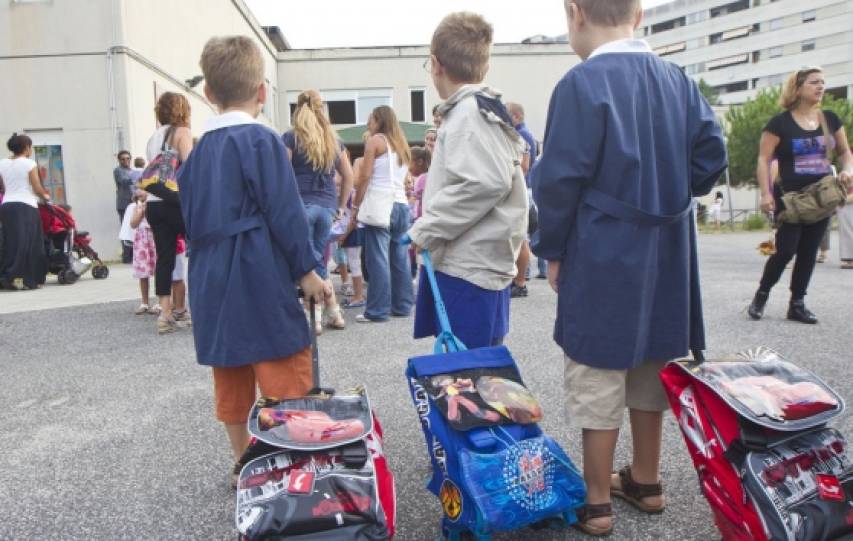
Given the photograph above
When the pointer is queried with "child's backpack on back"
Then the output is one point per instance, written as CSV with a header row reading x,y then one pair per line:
x,y
770,468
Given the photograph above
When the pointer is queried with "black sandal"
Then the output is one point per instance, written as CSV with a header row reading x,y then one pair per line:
x,y
592,511
634,493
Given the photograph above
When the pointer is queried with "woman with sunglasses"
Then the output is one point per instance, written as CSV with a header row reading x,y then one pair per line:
x,y
796,138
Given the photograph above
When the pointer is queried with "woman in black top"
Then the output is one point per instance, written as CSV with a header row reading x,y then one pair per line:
x,y
796,139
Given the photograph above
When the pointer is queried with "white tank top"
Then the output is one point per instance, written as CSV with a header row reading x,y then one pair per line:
x,y
389,175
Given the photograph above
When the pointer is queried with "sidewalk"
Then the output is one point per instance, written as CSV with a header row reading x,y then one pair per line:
x,y
119,286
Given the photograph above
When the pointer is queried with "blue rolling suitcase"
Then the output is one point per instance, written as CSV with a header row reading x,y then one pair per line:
x,y
494,469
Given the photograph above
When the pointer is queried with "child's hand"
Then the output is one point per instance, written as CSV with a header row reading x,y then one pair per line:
x,y
315,288
554,275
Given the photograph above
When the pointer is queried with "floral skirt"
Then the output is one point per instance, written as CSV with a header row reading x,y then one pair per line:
x,y
144,253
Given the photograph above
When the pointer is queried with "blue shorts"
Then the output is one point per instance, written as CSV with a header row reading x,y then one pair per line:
x,y
479,317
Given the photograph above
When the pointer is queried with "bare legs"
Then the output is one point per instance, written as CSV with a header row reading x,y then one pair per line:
x,y
238,437
599,447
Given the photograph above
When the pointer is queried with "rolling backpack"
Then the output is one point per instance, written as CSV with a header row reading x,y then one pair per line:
x,y
315,469
756,428
493,469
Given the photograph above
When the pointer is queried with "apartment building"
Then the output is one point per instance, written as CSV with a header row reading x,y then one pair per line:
x,y
740,47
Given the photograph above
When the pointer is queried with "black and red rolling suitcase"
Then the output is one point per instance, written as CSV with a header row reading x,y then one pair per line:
x,y
756,428
316,469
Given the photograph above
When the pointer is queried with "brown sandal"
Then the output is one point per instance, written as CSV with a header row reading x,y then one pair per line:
x,y
593,511
634,492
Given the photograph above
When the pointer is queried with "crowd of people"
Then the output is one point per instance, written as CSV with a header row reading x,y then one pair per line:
x,y
610,220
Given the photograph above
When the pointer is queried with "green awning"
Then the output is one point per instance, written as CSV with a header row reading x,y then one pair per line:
x,y
414,133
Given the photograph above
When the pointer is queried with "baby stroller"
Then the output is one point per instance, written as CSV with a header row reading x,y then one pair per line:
x,y
69,251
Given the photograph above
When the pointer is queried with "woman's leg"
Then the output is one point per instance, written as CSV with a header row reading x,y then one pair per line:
x,y
166,224
179,296
807,249
377,242
787,241
402,291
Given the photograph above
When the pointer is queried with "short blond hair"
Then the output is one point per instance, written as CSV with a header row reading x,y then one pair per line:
x,y
790,98
462,44
233,68
608,12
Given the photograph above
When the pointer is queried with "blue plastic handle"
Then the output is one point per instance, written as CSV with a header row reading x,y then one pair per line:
x,y
445,341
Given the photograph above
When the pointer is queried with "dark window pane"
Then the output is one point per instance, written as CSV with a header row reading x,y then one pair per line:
x,y
341,112
418,107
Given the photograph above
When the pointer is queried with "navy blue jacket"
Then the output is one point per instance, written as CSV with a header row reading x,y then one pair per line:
x,y
249,247
629,142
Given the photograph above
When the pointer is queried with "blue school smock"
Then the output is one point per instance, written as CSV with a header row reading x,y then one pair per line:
x,y
629,142
249,246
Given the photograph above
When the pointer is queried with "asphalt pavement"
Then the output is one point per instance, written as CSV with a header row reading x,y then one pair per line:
x,y
107,430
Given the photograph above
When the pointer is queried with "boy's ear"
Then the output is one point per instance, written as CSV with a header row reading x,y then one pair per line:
x,y
262,93
209,95
639,19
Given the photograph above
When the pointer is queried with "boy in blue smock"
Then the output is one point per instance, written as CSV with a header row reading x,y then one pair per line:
x,y
250,245
629,142
475,203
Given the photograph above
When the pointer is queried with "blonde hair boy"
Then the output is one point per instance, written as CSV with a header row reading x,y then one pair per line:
x,y
462,44
233,70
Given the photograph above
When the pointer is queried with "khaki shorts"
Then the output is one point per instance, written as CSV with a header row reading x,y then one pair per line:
x,y
596,398
234,387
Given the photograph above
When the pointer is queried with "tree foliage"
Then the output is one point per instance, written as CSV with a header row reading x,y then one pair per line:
x,y
710,94
746,122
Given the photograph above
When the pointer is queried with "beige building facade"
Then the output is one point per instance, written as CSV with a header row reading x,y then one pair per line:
x,y
81,77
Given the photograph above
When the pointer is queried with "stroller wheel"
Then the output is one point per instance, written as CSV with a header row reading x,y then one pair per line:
x,y
67,277
99,272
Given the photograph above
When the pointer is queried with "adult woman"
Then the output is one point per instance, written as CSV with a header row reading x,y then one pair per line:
x,y
382,176
22,261
163,211
316,154
796,138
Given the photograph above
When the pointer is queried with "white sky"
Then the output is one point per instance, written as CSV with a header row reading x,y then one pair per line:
x,y
311,24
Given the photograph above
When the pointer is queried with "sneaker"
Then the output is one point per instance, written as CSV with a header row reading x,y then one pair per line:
x,y
518,291
155,310
182,319
355,304
361,318
142,309
166,325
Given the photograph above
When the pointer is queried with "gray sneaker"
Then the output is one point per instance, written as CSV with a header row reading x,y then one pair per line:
x,y
166,326
183,319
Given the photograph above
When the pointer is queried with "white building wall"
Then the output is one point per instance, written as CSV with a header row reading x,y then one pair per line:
x,y
56,53
524,73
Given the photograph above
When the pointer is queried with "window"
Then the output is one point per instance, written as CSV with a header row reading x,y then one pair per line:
x,y
775,52
715,38
809,16
808,45
697,17
732,87
733,7
341,112
727,61
693,69
418,103
756,56
671,49
668,25
776,24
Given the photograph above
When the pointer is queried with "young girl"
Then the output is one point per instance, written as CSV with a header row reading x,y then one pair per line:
x,y
145,263
421,157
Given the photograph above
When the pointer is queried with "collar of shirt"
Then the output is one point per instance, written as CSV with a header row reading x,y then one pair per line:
x,y
629,45
226,120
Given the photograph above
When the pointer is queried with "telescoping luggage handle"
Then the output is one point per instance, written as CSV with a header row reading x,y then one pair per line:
x,y
446,341
315,354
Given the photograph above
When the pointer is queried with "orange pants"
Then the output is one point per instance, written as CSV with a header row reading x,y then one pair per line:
x,y
234,387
